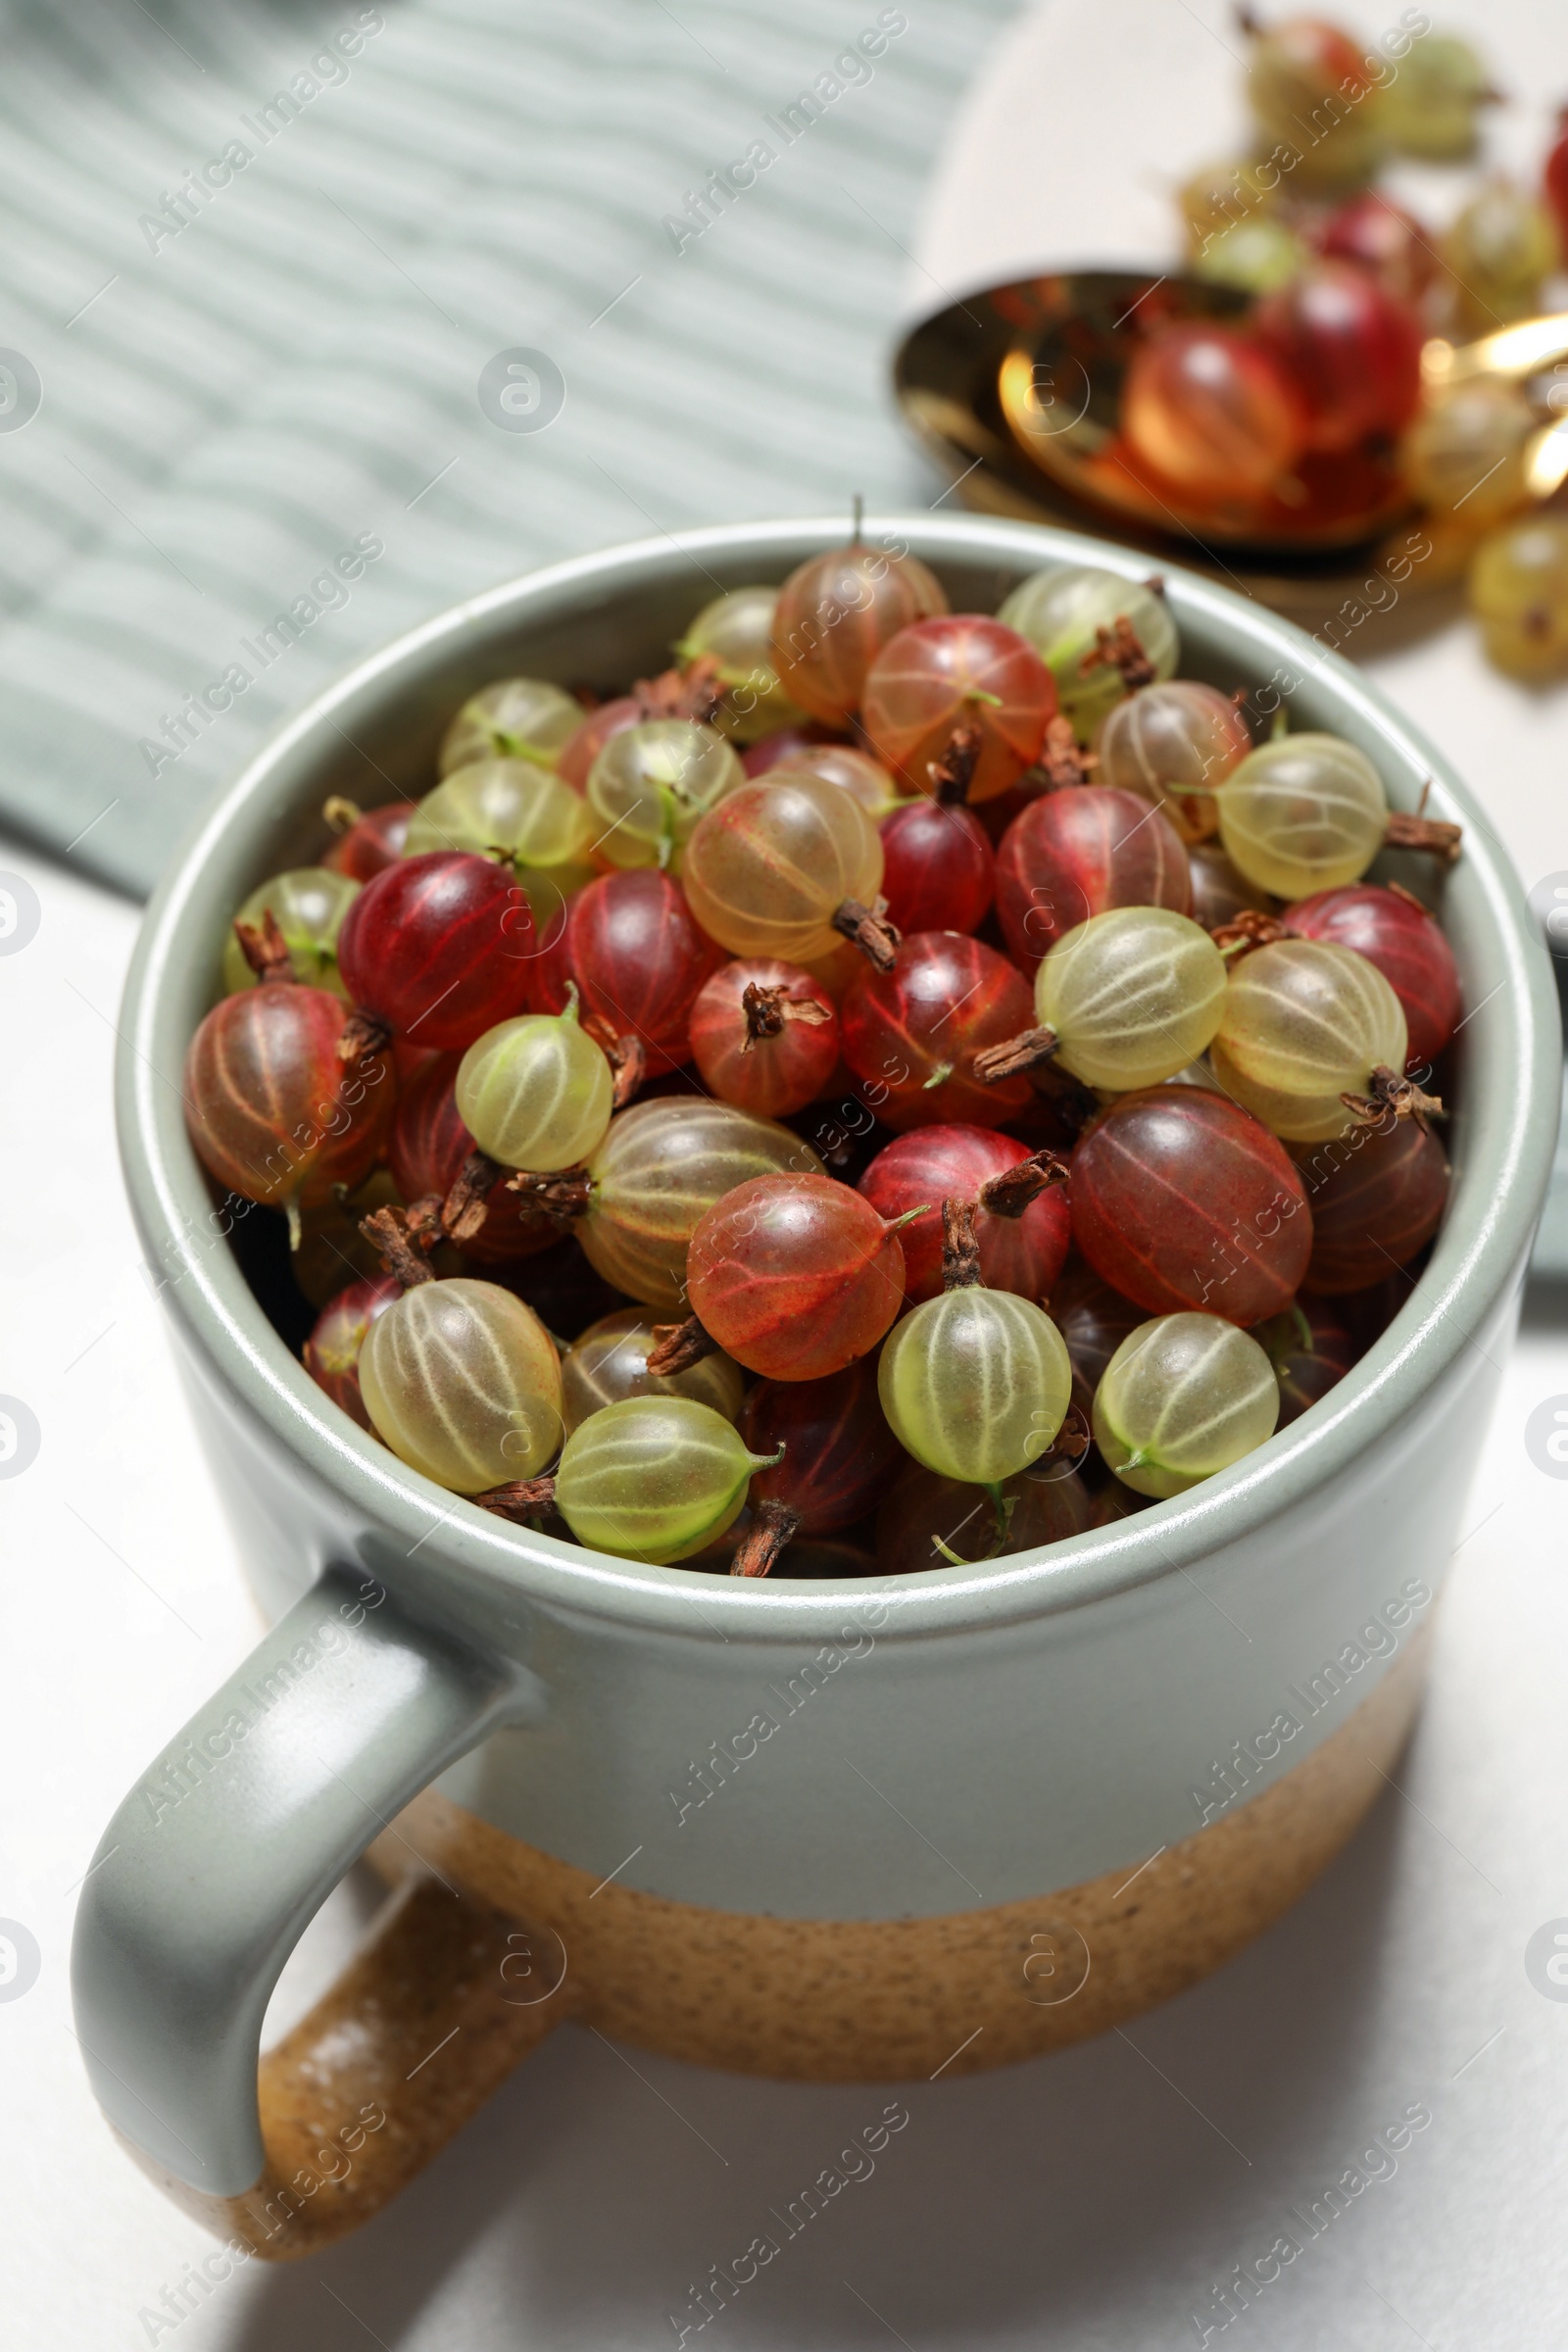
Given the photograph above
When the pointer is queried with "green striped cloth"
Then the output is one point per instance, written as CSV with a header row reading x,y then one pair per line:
x,y
265,274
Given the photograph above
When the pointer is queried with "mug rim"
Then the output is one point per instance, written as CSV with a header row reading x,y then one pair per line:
x,y
1480,1250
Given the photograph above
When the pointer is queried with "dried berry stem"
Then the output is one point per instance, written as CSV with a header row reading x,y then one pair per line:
x,y
389,1229
695,693
1121,648
564,1195
526,1498
768,1009
677,1346
1246,929
952,775
1063,760
1431,834
1015,1055
868,929
265,948
961,1250
627,1057
1393,1094
1009,1193
340,814
772,1527
466,1205
363,1033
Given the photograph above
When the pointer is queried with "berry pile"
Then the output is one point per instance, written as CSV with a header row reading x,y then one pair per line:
x,y
1313,404
900,1087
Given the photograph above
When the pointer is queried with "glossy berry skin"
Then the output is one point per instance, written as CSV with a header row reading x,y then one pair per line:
x,y
769,1075
653,1478
372,843
839,1453
963,670
332,1351
440,948
1310,1350
910,1035
932,1164
1351,350
1210,412
1381,238
1404,942
768,752
274,1116
1183,1396
1378,1196
767,871
1304,1023
1220,890
1173,743
608,1362
976,1384
840,763
576,758
427,1147
923,1512
1080,853
638,960
463,1382
794,1276
938,867
1182,1200
835,614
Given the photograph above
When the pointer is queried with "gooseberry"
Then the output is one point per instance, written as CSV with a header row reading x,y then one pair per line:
x,y
1303,814
835,614
1407,943
1378,1196
1080,853
637,958
514,719
1303,1024
307,904
1311,90
535,1092
1022,1252
1180,1199
837,1456
608,1362
460,1380
765,1036
1350,349
932,1522
1065,614
651,784
1499,252
1429,106
1220,890
975,1384
1519,593
512,808
1174,743
1381,238
938,867
911,1035
371,840
959,670
332,1351
575,760
1093,1320
1124,1000
1310,1351
1466,452
841,764
273,1110
784,867
795,1276
427,1151
653,1478
1213,414
437,949
1182,1397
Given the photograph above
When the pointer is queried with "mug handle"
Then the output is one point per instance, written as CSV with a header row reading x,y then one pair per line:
x,y
201,1886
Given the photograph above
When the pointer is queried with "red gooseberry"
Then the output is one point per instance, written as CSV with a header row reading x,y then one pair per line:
x,y
910,1035
1082,852
439,949
1352,349
938,867
795,1276
374,839
963,670
631,945
838,1458
1407,945
1383,238
1310,1350
579,750
1212,414
1183,1201
933,1165
765,1036
1377,1195
332,1351
274,1112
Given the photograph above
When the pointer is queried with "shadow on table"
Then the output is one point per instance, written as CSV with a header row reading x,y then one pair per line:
x,y
593,2196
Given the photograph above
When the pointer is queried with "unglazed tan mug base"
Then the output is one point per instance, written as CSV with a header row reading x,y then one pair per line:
x,y
490,1944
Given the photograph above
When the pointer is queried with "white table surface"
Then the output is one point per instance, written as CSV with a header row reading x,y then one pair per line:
x,y
1089,2200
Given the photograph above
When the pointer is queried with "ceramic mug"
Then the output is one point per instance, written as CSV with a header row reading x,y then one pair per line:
x,y
869,1829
